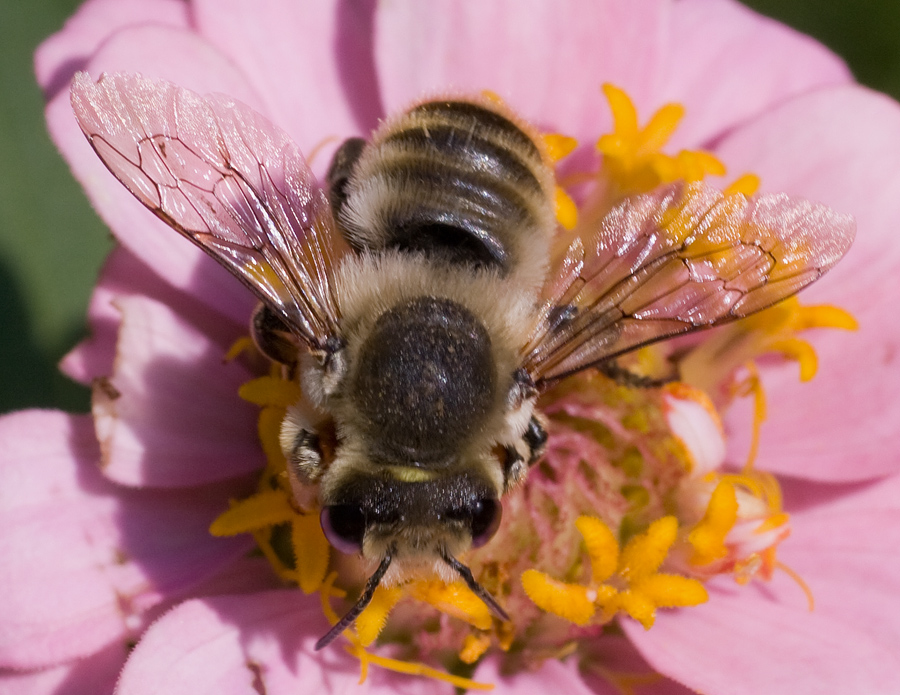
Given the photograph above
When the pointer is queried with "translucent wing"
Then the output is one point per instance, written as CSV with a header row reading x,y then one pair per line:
x,y
679,259
226,178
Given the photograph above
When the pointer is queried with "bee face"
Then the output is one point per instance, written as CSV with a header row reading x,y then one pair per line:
x,y
416,298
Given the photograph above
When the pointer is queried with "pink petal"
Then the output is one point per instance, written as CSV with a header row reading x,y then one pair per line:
x,y
69,49
839,146
169,414
96,674
552,676
548,60
188,61
124,275
726,64
751,640
844,549
311,62
89,557
250,644
612,656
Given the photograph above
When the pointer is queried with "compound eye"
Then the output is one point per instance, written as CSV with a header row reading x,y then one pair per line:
x,y
344,526
486,514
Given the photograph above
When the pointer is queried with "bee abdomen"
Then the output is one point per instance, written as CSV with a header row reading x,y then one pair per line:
x,y
453,180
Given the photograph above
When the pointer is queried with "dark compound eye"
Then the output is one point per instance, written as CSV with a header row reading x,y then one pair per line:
x,y
344,526
486,514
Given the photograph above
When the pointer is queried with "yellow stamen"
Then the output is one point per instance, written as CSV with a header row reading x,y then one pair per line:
x,y
708,536
239,347
801,352
311,550
644,554
569,601
559,146
625,122
602,547
566,210
372,620
746,184
454,599
415,669
672,591
493,97
810,599
824,316
268,427
474,647
259,511
753,385
267,390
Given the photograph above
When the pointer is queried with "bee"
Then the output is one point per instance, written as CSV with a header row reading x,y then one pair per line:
x,y
413,294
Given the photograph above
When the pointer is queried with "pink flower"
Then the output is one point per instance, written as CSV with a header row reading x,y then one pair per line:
x,y
100,558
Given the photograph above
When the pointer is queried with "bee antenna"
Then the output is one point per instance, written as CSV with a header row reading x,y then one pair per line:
x,y
364,600
478,590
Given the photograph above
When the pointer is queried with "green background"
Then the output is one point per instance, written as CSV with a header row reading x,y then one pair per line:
x,y
52,244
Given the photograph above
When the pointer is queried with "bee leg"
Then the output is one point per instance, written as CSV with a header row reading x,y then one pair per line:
x,y
273,338
535,438
516,461
339,172
626,377
305,457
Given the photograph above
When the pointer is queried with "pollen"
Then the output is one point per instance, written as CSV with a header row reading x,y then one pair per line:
x,y
622,581
633,159
454,599
372,620
708,536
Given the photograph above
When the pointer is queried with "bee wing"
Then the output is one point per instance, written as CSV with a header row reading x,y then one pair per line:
x,y
682,258
227,179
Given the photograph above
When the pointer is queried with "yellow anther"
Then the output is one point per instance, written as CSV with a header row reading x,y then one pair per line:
x,y
454,599
625,122
804,587
799,351
415,669
372,620
256,512
752,385
661,126
267,390
569,601
672,591
772,522
312,551
824,316
602,547
708,536
566,210
559,146
695,165
493,97
746,184
644,554
239,347
268,427
635,604
474,647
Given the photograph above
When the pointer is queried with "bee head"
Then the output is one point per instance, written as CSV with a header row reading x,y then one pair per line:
x,y
411,528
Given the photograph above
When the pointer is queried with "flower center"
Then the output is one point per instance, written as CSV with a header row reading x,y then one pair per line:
x,y
630,510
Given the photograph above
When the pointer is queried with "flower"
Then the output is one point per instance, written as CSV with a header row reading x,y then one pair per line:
x,y
113,568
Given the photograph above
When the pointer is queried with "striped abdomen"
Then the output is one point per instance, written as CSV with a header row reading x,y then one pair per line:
x,y
455,180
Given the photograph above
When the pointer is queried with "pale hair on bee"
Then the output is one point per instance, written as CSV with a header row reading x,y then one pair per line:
x,y
413,296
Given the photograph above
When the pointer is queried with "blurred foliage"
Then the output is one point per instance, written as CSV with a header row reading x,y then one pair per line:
x,y
52,245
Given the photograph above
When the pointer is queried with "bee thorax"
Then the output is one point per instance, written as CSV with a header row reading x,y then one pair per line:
x,y
425,381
